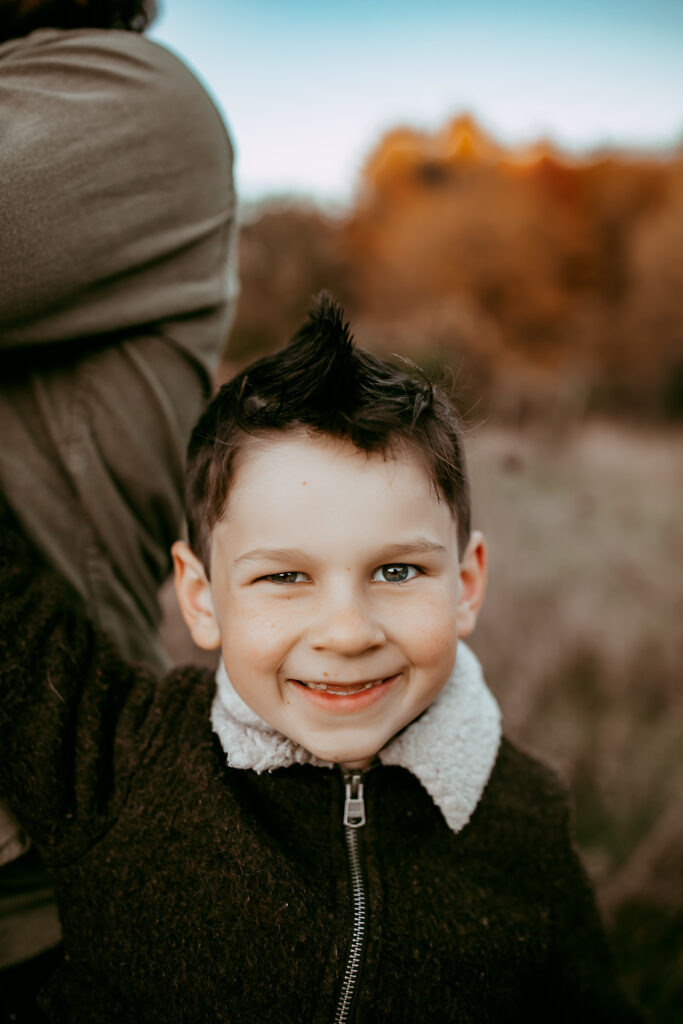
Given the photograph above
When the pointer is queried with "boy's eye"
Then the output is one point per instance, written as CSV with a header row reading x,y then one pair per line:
x,y
286,577
397,572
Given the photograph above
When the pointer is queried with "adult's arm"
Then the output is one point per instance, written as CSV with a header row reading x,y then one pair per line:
x,y
74,719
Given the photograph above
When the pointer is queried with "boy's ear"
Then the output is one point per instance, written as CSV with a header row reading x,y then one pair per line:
x,y
194,597
473,568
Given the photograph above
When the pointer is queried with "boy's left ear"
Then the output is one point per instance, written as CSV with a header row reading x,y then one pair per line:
x,y
194,597
473,569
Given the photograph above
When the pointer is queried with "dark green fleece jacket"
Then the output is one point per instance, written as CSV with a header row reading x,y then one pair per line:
x,y
194,892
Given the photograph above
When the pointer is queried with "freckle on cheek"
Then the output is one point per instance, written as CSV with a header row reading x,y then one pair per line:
x,y
433,643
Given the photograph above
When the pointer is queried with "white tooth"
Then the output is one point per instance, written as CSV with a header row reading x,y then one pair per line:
x,y
340,693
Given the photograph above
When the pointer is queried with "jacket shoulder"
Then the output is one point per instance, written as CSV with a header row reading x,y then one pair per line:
x,y
525,805
522,776
183,697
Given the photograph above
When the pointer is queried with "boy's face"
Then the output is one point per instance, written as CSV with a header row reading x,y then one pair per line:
x,y
336,594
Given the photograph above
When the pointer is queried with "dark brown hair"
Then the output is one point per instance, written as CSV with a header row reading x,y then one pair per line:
x,y
131,15
323,383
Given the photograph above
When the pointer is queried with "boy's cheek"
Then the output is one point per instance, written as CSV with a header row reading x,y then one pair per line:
x,y
256,640
437,646
259,639
430,637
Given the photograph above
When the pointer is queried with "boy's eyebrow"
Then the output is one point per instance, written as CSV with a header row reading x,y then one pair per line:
x,y
271,554
418,546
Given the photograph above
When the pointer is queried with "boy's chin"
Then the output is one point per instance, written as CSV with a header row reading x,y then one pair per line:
x,y
354,761
356,766
352,758
352,751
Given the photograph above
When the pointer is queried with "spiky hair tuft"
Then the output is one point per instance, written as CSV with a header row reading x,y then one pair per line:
x,y
310,381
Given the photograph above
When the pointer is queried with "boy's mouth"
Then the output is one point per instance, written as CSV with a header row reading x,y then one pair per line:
x,y
342,689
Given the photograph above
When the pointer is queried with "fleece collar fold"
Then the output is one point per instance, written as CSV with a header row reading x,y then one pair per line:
x,y
451,748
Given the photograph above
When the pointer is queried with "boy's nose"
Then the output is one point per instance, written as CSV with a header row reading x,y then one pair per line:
x,y
346,627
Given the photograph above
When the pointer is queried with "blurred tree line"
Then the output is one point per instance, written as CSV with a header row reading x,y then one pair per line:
x,y
552,287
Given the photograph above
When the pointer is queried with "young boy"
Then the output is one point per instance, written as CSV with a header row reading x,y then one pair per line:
x,y
332,829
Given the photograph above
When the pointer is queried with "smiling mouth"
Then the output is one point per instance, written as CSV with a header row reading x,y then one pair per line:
x,y
342,689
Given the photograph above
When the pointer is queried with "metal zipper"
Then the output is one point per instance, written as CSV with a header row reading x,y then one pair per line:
x,y
354,819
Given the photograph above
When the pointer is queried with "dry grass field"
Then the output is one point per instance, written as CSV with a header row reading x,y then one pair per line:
x,y
581,638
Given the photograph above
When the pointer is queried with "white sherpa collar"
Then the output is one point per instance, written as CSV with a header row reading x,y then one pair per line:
x,y
451,748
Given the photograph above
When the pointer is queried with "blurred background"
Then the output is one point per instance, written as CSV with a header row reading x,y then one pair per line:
x,y
496,191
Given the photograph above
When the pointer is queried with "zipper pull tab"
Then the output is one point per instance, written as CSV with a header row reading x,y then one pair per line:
x,y
354,804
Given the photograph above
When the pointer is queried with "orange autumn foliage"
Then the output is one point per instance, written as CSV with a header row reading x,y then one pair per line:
x,y
533,275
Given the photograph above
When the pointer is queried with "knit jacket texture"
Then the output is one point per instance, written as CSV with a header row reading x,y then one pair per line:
x,y
192,891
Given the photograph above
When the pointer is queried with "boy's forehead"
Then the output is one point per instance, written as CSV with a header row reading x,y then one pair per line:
x,y
291,484
300,457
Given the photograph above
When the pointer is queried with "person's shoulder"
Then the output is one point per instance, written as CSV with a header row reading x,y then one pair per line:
x,y
524,800
518,776
103,63
74,44
522,825
137,51
186,685
184,697
116,91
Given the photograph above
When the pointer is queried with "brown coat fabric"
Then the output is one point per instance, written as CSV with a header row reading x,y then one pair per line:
x,y
192,892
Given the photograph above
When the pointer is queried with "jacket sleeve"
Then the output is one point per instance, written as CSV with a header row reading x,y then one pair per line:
x,y
581,981
74,719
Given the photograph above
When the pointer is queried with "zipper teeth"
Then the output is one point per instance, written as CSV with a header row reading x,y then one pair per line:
x,y
359,922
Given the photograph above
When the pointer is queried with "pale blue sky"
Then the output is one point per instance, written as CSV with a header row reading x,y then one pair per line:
x,y
307,88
